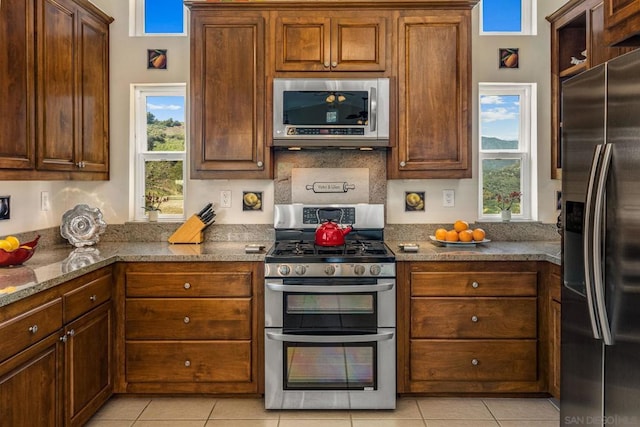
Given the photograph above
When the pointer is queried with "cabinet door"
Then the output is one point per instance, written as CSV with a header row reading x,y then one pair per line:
x,y
56,85
358,43
303,42
93,96
30,386
17,138
621,20
88,364
433,93
228,96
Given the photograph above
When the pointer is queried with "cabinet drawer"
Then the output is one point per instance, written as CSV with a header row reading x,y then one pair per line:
x,y
467,360
188,284
173,361
170,318
474,284
21,331
473,317
86,297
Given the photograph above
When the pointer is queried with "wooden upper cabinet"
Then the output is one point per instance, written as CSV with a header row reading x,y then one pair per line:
x,y
73,89
349,41
228,95
622,22
17,131
433,96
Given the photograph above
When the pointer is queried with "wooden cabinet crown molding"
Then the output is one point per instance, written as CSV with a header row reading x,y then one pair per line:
x,y
334,4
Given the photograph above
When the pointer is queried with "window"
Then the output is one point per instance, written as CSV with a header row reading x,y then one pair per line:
x,y
508,17
160,141
157,17
507,147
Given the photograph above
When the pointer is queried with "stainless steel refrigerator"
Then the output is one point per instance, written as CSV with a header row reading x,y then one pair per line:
x,y
600,371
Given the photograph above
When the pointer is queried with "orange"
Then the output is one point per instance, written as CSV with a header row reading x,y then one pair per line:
x,y
452,236
478,234
465,236
460,225
441,234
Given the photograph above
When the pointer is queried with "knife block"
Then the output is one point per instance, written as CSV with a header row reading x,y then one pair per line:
x,y
189,232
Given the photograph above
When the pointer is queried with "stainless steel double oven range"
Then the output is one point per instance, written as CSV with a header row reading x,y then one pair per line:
x,y
330,312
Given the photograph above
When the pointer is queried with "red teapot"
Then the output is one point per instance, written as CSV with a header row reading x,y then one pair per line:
x,y
331,234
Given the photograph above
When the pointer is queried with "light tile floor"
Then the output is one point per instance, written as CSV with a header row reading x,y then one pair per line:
x,y
123,411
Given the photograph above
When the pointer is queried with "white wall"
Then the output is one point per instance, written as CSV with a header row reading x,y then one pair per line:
x,y
128,66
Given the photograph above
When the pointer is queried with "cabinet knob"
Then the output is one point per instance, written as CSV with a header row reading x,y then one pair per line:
x,y
474,319
403,164
33,329
260,164
81,164
475,285
187,285
63,338
186,319
71,332
187,363
93,298
334,64
326,64
474,362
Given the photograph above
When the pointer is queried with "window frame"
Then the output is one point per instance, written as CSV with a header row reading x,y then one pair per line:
x,y
528,24
136,21
139,94
526,151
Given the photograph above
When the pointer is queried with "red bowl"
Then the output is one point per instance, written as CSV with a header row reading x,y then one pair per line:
x,y
20,255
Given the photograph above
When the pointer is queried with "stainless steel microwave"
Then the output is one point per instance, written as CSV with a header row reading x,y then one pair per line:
x,y
331,113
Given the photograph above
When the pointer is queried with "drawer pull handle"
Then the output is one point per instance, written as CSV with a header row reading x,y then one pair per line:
x,y
33,329
474,362
186,319
187,363
187,285
93,298
475,285
474,319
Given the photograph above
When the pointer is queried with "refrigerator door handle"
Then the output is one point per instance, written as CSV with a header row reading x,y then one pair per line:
x,y
587,242
598,222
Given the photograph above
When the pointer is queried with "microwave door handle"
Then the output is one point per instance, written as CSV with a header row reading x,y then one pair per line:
x,y
384,336
373,109
339,289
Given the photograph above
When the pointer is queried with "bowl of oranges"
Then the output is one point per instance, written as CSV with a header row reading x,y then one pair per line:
x,y
460,235
13,252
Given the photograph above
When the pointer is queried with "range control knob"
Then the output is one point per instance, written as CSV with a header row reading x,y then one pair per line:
x,y
359,269
300,270
375,269
330,270
284,270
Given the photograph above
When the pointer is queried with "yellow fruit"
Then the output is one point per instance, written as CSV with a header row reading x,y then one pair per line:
x,y
413,199
452,236
5,245
441,234
478,234
460,225
465,236
13,241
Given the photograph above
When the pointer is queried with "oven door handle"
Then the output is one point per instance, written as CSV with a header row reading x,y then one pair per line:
x,y
384,336
334,289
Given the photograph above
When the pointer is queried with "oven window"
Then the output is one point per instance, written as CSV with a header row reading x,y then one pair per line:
x,y
325,108
332,311
330,303
339,366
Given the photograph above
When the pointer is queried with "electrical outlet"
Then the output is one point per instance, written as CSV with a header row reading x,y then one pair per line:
x,y
448,198
45,202
5,207
225,198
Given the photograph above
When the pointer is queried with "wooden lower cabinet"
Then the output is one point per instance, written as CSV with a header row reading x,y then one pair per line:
x,y
191,328
554,329
468,327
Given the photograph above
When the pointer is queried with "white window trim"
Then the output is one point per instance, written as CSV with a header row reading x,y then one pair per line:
x,y
139,93
136,21
528,22
527,150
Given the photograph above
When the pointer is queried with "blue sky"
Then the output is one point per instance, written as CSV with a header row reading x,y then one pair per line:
x,y
501,15
163,16
165,107
500,116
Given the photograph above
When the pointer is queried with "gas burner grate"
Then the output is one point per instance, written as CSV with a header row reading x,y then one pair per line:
x,y
351,248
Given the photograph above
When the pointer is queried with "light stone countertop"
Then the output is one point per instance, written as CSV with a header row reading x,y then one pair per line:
x,y
53,265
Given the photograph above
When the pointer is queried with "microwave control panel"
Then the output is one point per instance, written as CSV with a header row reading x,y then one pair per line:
x,y
341,131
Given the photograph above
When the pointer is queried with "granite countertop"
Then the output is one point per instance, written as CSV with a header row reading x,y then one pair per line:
x,y
53,265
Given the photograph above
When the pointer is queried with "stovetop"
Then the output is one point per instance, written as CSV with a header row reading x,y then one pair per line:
x,y
363,251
